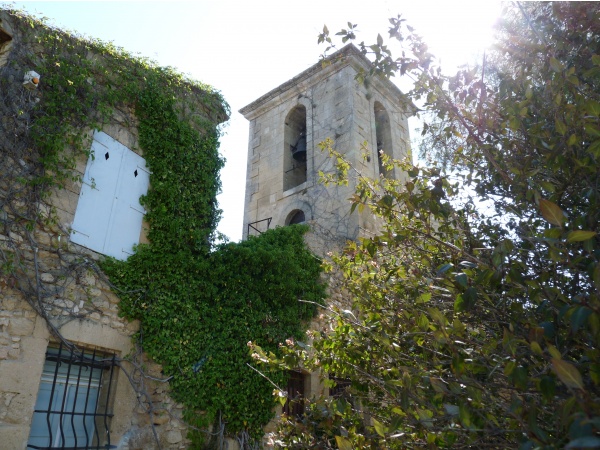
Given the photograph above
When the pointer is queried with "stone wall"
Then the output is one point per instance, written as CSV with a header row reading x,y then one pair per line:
x,y
340,108
52,289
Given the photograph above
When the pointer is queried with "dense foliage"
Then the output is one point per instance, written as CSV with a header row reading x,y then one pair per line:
x,y
476,324
198,305
199,310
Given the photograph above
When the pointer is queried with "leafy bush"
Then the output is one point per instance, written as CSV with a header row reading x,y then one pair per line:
x,y
477,326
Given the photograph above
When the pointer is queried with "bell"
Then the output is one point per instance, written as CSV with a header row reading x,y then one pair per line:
x,y
299,150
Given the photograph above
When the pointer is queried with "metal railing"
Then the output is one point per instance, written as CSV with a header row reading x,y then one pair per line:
x,y
253,226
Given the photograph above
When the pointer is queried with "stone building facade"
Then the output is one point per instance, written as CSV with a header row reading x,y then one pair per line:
x,y
104,392
287,126
284,159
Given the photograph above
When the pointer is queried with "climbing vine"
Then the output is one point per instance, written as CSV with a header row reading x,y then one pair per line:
x,y
198,307
199,310
198,304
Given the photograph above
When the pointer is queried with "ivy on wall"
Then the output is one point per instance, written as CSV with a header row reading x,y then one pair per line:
x,y
199,310
198,304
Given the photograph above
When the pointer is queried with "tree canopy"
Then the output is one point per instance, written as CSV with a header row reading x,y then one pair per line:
x,y
475,313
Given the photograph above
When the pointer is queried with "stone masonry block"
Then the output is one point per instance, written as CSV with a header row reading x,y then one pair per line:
x,y
20,326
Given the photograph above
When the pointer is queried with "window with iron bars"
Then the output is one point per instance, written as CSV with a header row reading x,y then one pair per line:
x,y
295,393
341,387
72,410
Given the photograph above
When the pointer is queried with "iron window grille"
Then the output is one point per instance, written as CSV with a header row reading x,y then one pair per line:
x,y
72,406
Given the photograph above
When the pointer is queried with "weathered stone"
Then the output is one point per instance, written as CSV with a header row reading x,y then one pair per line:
x,y
88,280
161,419
99,303
174,436
15,237
9,302
20,326
95,292
47,278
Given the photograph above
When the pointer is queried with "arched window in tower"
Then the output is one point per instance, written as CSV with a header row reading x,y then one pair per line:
x,y
383,132
294,148
296,216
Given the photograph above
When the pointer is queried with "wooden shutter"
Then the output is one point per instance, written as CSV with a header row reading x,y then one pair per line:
x,y
109,217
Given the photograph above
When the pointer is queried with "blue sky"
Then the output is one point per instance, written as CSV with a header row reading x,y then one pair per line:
x,y
245,48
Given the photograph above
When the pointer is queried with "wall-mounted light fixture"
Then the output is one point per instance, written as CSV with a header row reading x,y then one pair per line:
x,y
31,80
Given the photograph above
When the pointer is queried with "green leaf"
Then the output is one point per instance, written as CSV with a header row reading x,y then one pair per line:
x,y
444,268
466,301
343,443
535,348
567,373
572,139
594,148
465,416
596,60
520,377
461,279
425,416
579,318
556,64
591,130
423,322
554,352
379,427
552,212
424,298
438,385
437,315
580,235
593,107
548,387
560,126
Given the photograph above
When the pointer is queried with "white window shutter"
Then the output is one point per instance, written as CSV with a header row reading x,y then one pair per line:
x,y
109,217
128,214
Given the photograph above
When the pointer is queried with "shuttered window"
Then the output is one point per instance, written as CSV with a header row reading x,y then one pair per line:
x,y
109,216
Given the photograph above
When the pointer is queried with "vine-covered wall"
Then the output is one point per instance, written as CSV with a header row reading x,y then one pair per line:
x,y
197,304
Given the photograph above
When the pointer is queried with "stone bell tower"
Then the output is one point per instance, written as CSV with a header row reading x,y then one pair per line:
x,y
284,159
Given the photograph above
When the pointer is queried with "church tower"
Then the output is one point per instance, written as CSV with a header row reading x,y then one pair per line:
x,y
284,159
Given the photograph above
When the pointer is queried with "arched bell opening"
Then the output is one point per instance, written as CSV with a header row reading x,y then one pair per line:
x,y
383,132
294,148
296,216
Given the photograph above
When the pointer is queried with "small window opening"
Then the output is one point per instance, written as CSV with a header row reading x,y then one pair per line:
x,y
135,173
342,385
72,406
383,133
296,216
294,406
295,148
106,156
5,46
4,37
